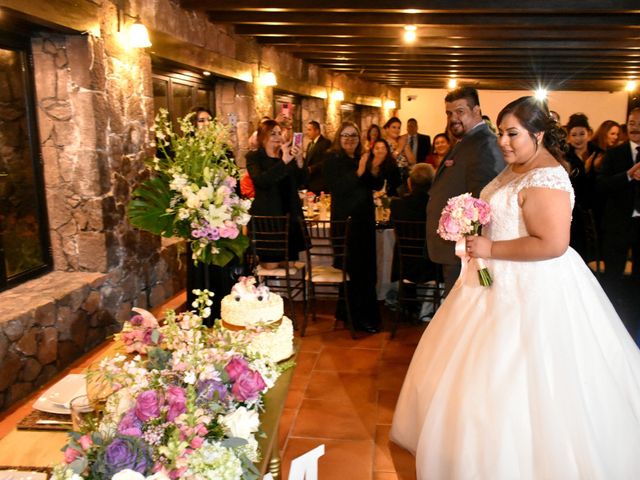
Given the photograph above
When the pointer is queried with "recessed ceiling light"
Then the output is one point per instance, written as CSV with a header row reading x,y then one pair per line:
x,y
631,86
541,93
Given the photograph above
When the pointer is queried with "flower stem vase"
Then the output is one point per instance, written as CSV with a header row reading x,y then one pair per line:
x,y
218,280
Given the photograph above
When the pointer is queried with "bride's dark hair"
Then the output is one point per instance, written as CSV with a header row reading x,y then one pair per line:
x,y
533,115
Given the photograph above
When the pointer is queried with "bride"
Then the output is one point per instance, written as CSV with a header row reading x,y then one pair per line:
x,y
534,377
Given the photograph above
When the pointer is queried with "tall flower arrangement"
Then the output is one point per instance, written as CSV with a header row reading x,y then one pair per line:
x,y
186,407
191,193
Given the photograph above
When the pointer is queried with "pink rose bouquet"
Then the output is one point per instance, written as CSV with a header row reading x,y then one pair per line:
x,y
463,216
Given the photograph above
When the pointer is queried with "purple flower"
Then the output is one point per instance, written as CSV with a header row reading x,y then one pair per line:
x,y
177,402
208,388
130,424
236,367
230,182
248,385
213,233
147,405
136,320
122,453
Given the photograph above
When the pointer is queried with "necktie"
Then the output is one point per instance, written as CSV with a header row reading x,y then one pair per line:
x,y
310,148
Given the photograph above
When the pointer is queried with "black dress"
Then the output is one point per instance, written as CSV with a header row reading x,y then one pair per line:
x,y
583,184
353,196
276,193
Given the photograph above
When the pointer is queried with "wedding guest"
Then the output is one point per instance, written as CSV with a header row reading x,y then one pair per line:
x,y
619,181
316,150
534,377
399,147
468,167
440,148
277,171
419,143
606,136
389,171
373,133
202,117
351,180
581,156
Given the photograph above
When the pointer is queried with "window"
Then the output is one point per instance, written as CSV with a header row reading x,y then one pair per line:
x,y
24,233
179,90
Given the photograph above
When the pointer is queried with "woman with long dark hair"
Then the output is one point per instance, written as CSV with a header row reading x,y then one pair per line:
x,y
535,376
351,180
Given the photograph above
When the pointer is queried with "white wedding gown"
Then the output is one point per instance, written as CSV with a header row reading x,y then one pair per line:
x,y
532,378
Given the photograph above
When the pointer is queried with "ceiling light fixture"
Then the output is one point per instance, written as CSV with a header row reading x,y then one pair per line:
x,y
631,86
390,104
205,73
452,83
541,94
410,33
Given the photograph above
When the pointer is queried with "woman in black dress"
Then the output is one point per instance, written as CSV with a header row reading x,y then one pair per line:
x,y
389,170
276,170
351,180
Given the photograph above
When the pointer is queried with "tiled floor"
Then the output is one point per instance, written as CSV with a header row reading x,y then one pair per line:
x,y
342,395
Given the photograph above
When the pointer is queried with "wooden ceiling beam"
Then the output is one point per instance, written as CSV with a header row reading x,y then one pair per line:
x,y
500,20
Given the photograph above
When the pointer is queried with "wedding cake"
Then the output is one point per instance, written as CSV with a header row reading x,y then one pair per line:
x,y
255,308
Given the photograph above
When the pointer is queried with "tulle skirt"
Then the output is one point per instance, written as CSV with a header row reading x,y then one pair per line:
x,y
532,378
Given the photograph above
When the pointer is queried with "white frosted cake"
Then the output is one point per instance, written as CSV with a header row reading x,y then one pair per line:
x,y
255,308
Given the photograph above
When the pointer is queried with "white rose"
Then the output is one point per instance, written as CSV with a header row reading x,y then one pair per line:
x,y
128,474
241,423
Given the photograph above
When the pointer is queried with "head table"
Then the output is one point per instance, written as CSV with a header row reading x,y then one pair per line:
x,y
31,448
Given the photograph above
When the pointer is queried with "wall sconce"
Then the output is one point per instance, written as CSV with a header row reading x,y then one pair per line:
x,y
390,104
268,79
337,96
137,35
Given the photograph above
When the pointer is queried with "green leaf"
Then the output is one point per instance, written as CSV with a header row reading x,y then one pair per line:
x,y
237,245
148,207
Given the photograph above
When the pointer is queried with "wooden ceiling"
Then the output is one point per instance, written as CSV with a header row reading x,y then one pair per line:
x,y
490,44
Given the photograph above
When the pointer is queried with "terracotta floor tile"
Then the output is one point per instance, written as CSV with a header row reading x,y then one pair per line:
x,y
294,398
343,460
394,476
395,352
409,334
335,419
348,360
388,457
305,362
390,376
387,400
286,421
348,387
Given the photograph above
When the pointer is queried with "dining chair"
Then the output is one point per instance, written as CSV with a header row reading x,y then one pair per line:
x,y
419,279
327,256
270,239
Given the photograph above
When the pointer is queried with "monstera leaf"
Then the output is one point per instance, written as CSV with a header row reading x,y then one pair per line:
x,y
148,207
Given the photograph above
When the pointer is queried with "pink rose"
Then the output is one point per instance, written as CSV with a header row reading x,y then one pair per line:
x,y
248,385
236,367
177,402
147,405
70,454
85,442
196,442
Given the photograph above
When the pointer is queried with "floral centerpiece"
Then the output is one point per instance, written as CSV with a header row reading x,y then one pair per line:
x,y
185,406
463,216
191,193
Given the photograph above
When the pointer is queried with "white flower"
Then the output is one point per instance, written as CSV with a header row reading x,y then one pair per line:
x,y
128,474
158,476
190,377
241,423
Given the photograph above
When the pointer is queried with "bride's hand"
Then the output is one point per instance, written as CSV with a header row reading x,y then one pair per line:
x,y
478,247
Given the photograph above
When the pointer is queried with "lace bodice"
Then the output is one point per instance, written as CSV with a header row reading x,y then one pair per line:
x,y
502,194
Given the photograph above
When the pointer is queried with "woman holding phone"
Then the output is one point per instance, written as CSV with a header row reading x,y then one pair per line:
x,y
277,171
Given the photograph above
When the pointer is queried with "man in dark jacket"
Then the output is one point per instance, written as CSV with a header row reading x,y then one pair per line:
x,y
316,149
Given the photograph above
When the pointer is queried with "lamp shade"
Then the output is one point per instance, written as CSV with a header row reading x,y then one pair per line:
x,y
138,35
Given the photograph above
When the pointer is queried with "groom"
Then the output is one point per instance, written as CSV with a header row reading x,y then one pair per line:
x,y
472,163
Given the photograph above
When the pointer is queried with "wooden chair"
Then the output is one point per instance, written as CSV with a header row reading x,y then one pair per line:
x,y
419,279
270,238
327,253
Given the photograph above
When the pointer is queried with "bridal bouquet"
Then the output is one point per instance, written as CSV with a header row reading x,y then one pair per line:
x,y
187,408
463,216
192,191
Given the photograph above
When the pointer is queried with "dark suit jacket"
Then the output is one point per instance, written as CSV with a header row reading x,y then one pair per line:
x,y
424,147
617,191
314,162
472,163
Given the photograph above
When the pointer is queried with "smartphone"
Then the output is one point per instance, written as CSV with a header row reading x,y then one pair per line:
x,y
297,139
